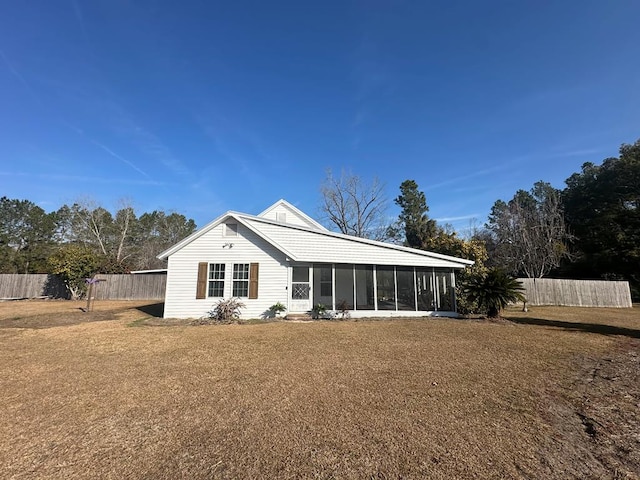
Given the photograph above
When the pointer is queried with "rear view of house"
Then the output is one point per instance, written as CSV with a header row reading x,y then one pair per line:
x,y
283,255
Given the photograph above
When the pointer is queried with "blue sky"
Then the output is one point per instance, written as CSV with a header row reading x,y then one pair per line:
x,y
204,106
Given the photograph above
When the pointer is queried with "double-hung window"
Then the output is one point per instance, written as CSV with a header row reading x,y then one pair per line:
x,y
216,280
240,280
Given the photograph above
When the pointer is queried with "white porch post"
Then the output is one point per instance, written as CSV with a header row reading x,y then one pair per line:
x,y
375,287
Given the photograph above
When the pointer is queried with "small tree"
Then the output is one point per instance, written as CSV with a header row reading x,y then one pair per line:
x,y
75,263
494,291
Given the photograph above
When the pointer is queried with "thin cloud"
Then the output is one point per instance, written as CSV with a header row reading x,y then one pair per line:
x,y
458,219
115,155
102,146
17,75
80,18
109,180
576,153
83,179
462,178
145,141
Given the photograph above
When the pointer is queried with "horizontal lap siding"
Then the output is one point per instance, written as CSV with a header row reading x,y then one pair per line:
x,y
576,293
316,247
180,301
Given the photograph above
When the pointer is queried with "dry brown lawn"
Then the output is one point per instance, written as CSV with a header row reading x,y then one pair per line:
x,y
553,394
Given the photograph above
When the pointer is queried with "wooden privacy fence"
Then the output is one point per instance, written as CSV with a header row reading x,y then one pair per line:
x,y
576,293
130,287
16,285
115,287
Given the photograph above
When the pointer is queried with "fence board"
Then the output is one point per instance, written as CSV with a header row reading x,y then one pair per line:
x,y
576,293
19,285
115,287
130,287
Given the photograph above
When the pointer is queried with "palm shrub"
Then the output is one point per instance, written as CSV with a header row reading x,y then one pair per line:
x,y
493,291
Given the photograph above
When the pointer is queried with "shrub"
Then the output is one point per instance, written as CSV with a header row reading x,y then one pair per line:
x,y
319,310
343,309
493,291
277,308
226,311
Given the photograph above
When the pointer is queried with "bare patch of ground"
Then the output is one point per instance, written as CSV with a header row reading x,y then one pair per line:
x,y
411,398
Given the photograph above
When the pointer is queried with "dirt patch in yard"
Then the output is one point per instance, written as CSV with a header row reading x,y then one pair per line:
x,y
419,398
56,313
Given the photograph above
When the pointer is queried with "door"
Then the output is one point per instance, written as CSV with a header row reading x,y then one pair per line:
x,y
300,289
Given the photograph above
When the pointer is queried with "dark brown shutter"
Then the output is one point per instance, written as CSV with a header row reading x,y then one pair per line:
x,y
253,280
201,288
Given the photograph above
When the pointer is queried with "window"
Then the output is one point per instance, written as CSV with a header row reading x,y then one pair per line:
x,y
281,217
240,280
216,280
230,229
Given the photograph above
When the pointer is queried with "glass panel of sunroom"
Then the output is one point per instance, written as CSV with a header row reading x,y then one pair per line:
x,y
386,288
364,288
323,285
444,282
344,287
406,289
426,296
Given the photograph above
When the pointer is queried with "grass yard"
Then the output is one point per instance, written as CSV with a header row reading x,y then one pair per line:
x,y
109,394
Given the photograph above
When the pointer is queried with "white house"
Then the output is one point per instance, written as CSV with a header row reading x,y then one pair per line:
x,y
283,255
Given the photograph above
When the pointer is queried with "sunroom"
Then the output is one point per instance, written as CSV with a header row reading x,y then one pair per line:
x,y
365,289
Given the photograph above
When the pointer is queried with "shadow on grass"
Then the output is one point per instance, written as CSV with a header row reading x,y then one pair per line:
x,y
153,309
584,327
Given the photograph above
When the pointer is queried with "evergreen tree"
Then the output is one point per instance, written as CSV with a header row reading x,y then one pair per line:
x,y
418,227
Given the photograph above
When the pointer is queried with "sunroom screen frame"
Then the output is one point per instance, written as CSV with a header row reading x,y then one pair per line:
x,y
437,300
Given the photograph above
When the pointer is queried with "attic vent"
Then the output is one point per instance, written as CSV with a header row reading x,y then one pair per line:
x,y
281,217
231,230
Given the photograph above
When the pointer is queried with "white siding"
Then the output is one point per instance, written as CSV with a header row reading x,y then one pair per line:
x,y
308,246
180,300
292,217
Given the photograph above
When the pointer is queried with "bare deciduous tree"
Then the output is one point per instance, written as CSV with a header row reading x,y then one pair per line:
x,y
529,231
355,206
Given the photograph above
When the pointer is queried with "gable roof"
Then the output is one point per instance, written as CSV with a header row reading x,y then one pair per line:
x,y
305,219
305,244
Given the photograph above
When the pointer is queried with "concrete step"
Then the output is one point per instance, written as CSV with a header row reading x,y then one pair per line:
x,y
301,317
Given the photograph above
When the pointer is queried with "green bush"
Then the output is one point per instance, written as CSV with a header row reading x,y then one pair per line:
x,y
493,291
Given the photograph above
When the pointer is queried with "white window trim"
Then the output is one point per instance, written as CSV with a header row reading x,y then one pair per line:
x,y
211,280
243,280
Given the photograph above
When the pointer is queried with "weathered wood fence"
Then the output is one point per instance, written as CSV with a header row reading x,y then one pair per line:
x,y
115,287
130,287
576,293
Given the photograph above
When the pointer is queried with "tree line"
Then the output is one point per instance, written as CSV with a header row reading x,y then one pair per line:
x,y
588,230
79,240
